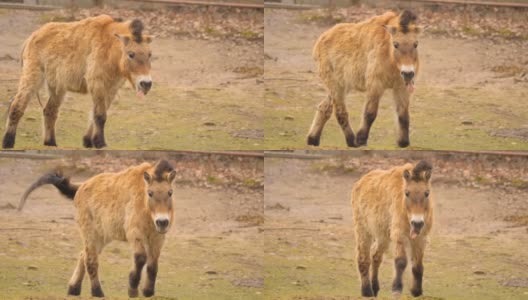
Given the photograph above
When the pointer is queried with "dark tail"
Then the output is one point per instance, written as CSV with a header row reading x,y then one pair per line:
x,y
56,178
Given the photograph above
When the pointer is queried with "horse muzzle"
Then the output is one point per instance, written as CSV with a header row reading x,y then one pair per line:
x,y
143,85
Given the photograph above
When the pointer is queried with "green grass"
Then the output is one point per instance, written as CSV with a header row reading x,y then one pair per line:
x,y
166,119
436,119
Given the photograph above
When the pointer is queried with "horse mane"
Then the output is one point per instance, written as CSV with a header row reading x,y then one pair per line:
x,y
420,168
407,18
161,168
136,27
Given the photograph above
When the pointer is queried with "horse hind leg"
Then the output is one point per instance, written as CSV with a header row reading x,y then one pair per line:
x,y
364,262
75,284
51,112
369,116
323,113
29,84
377,258
342,118
91,261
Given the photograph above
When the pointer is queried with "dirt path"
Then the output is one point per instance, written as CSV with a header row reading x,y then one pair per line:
x,y
473,253
208,254
206,95
460,102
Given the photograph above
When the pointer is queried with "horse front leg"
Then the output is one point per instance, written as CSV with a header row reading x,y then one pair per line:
x,y
418,248
402,98
400,263
99,120
369,115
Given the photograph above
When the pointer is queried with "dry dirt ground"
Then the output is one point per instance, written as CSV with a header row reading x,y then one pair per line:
x,y
469,94
213,251
207,83
474,251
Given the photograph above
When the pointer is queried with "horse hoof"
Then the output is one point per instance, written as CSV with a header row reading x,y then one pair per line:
x,y
416,292
132,293
313,140
403,143
148,292
361,139
97,292
87,142
98,143
351,141
9,141
51,143
74,290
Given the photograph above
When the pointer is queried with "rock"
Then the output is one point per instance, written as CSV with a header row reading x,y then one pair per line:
x,y
479,272
300,267
289,118
211,272
209,123
467,123
32,268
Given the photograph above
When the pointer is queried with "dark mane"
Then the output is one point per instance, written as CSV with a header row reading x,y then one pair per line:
x,y
161,168
407,18
421,167
136,27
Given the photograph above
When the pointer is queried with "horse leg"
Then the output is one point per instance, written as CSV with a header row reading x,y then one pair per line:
x,y
400,262
51,112
377,258
363,243
75,284
342,117
369,116
92,265
418,248
29,85
140,258
402,97
99,120
323,113
152,272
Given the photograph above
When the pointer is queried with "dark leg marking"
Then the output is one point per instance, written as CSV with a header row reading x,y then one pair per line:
x,y
342,119
9,140
135,275
74,290
417,271
366,288
400,263
87,141
97,292
404,127
98,139
152,271
313,140
363,133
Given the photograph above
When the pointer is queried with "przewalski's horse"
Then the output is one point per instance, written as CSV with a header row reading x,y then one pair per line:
x,y
96,55
378,54
392,206
134,205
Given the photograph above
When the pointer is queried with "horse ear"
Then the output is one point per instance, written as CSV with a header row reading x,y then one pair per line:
x,y
390,29
147,177
148,38
406,175
427,175
171,177
125,39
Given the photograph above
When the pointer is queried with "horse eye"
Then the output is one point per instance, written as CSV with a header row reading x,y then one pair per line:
x,y
170,193
415,44
150,54
396,45
150,193
426,194
407,193
131,55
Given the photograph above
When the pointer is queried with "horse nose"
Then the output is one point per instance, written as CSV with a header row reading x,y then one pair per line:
x,y
407,75
418,225
146,85
162,223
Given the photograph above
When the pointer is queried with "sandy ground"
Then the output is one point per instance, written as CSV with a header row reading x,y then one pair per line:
x,y
206,94
208,253
310,250
460,102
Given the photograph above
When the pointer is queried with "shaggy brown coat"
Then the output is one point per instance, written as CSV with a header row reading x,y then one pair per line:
x,y
392,206
372,56
134,205
96,55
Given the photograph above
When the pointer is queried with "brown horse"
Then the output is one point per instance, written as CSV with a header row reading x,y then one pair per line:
x,y
134,205
392,206
96,55
378,54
